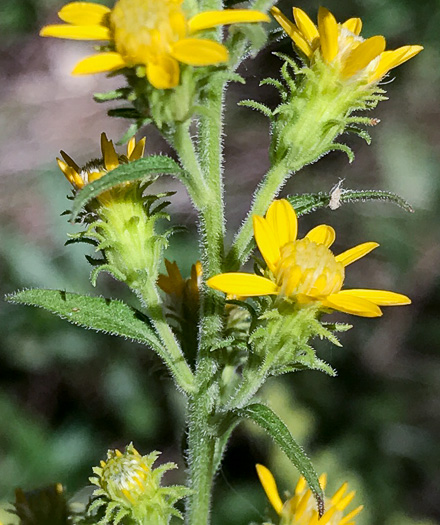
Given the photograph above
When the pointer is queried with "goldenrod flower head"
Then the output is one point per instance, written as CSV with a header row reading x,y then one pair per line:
x,y
301,508
305,270
175,285
129,486
341,46
95,169
124,477
152,33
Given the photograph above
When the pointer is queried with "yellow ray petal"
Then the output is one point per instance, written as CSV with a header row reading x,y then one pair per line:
x,y
363,54
354,25
91,32
355,253
267,241
345,502
337,496
346,519
67,170
138,150
210,19
328,31
199,52
391,59
352,305
302,505
70,161
245,284
301,485
101,63
270,487
164,74
322,234
305,25
83,13
281,217
379,297
130,146
109,154
294,33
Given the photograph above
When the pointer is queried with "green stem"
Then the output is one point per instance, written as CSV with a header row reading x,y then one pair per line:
x,y
183,144
201,452
174,357
253,379
265,193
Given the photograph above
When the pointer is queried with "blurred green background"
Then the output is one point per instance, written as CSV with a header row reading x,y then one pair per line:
x,y
67,395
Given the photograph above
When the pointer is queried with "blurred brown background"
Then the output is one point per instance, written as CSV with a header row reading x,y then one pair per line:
x,y
67,395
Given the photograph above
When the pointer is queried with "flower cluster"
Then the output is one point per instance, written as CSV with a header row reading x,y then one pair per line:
x,y
121,221
341,47
305,271
95,169
128,486
156,35
300,508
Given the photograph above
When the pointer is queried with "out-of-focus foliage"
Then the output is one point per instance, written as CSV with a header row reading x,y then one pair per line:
x,y
67,395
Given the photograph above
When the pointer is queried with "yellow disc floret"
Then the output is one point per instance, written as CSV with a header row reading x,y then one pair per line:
x,y
308,269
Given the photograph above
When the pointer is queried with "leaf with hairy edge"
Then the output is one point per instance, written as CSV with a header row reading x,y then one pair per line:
x,y
142,169
96,313
309,202
272,424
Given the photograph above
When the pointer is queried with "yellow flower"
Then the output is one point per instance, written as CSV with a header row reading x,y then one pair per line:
x,y
95,169
341,47
301,508
305,270
175,284
156,34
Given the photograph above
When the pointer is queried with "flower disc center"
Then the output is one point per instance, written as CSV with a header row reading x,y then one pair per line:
x,y
145,29
309,269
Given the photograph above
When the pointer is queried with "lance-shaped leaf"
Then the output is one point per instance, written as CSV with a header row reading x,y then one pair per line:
x,y
146,168
96,313
272,424
309,202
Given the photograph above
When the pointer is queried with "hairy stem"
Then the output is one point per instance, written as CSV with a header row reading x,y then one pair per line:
x,y
201,451
174,357
265,193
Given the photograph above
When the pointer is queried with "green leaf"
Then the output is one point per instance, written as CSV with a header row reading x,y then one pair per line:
x,y
96,313
117,94
143,169
308,202
272,424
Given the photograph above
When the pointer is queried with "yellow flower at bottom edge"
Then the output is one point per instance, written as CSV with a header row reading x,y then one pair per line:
x,y
305,270
301,508
341,45
95,169
153,33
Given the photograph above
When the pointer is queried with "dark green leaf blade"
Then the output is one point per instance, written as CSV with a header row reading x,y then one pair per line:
x,y
96,313
308,202
143,169
272,424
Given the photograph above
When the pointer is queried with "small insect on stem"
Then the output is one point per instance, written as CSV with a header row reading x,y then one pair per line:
x,y
335,195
